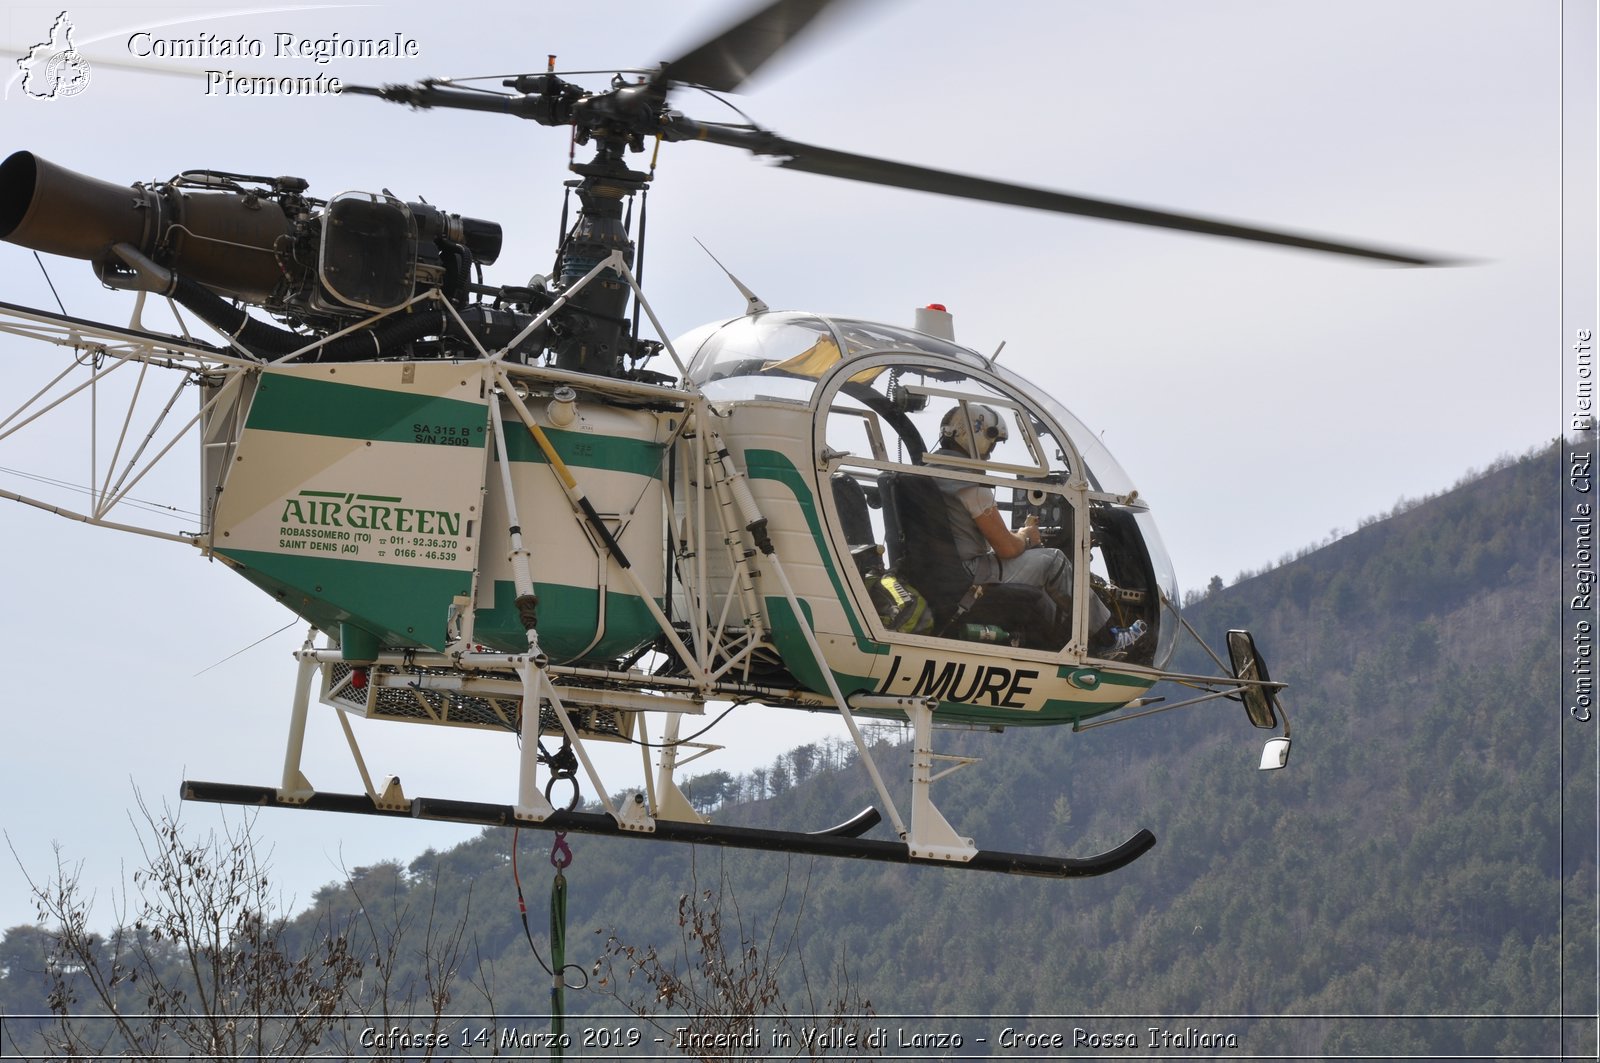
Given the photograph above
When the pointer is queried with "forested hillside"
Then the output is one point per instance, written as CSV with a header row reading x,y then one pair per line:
x,y
1401,889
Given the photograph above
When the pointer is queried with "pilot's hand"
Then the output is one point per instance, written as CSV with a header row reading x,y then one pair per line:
x,y
1030,530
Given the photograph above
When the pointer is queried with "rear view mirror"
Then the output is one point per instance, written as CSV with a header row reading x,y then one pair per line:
x,y
1275,754
1260,702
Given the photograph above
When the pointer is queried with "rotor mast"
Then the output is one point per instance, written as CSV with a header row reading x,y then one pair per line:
x,y
594,335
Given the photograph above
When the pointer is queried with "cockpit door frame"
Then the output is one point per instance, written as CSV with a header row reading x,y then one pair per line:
x,y
1041,467
1074,492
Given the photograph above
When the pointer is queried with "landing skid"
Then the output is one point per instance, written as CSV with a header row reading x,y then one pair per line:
x,y
840,841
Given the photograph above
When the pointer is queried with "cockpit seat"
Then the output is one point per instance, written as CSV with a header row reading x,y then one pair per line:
x,y
855,519
923,552
855,515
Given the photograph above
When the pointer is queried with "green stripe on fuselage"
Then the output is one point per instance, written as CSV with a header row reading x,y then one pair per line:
x,y
796,651
289,403
588,450
404,606
1061,710
772,465
567,620
407,606
314,407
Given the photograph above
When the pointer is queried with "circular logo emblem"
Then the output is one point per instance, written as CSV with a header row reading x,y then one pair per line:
x,y
66,74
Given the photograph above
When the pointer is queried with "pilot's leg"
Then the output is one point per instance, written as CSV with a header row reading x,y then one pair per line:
x,y
1052,570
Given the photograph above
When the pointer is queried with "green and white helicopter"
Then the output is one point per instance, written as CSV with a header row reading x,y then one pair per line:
x,y
493,516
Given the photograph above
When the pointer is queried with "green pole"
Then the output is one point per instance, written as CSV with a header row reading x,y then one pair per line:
x,y
558,962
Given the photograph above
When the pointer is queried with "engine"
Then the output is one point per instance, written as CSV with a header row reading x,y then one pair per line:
x,y
218,242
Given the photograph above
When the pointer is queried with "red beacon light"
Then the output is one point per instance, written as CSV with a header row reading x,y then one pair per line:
x,y
936,321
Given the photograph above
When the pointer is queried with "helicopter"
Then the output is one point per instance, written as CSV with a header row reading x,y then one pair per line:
x,y
378,465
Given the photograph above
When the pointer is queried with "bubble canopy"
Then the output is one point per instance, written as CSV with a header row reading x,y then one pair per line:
x,y
784,355
881,397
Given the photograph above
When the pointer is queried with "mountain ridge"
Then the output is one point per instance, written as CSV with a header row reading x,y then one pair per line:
x,y
1420,856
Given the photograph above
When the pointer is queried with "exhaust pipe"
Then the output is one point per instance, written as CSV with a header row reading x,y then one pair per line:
x,y
227,241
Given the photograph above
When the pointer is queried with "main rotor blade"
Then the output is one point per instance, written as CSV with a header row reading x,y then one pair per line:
x,y
830,163
724,62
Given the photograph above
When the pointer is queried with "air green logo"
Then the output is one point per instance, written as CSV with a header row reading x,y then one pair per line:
x,y
331,509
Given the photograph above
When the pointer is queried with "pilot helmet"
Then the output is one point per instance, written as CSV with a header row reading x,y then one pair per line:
x,y
986,425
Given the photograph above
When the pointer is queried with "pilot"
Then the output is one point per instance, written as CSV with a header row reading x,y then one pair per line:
x,y
992,552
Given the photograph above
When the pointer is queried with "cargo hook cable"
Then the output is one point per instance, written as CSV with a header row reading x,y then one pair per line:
x,y
557,973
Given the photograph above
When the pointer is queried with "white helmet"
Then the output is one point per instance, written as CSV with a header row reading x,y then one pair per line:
x,y
962,423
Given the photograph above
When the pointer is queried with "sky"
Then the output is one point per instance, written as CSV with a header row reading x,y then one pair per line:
x,y
1263,400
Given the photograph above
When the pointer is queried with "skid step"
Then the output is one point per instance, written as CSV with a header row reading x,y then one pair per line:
x,y
840,841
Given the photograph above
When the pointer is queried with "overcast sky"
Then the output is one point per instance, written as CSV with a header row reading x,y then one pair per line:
x,y
1260,398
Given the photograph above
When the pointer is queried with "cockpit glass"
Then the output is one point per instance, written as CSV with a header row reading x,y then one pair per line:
x,y
916,452
862,337
782,355
1101,469
772,356
908,415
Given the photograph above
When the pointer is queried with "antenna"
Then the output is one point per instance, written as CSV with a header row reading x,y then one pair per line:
x,y
753,302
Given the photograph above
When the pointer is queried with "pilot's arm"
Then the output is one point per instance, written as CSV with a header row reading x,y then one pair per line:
x,y
1006,543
